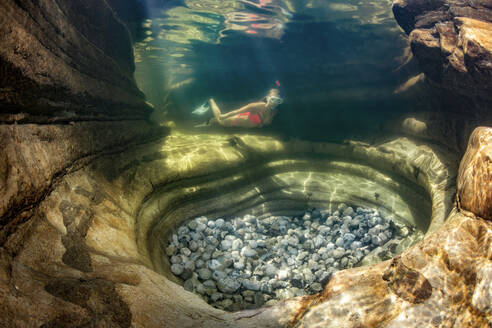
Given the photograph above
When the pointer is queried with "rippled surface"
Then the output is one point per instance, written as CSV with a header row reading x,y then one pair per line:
x,y
338,63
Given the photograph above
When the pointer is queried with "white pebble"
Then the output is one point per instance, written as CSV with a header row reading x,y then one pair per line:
x,y
237,244
200,227
248,251
177,269
170,250
226,245
216,297
175,259
214,264
204,273
282,274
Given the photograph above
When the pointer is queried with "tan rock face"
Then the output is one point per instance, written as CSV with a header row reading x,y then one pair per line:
x,y
34,157
456,55
407,283
61,63
84,254
475,174
451,40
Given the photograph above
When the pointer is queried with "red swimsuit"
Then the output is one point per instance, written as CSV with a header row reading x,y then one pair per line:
x,y
255,118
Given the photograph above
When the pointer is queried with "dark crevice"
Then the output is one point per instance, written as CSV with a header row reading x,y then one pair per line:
x,y
23,100
98,296
71,121
72,61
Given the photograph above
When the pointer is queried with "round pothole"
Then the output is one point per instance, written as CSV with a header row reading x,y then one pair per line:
x,y
282,188
246,262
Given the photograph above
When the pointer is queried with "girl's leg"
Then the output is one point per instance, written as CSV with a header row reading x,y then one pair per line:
x,y
230,119
238,121
213,121
215,110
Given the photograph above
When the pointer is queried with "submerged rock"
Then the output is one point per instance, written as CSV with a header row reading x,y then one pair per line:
x,y
177,269
228,285
475,190
248,251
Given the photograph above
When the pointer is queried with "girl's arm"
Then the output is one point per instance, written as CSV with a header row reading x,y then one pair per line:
x,y
268,118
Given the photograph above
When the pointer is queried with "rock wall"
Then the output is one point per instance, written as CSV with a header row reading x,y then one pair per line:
x,y
66,61
475,175
132,13
35,157
67,97
452,40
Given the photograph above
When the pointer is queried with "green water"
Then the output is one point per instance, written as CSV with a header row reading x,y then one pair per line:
x,y
338,63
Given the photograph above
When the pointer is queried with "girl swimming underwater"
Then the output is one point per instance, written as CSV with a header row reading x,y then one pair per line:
x,y
253,115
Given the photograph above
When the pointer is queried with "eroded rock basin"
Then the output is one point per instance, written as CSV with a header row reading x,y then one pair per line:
x,y
285,182
278,187
118,209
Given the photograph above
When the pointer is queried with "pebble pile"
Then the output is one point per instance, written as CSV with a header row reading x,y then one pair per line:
x,y
244,262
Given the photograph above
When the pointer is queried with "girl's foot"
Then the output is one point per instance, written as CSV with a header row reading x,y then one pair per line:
x,y
202,109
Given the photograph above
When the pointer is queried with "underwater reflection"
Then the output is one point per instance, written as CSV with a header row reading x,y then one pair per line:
x,y
252,24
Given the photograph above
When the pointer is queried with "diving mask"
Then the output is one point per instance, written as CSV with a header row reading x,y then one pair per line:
x,y
274,100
